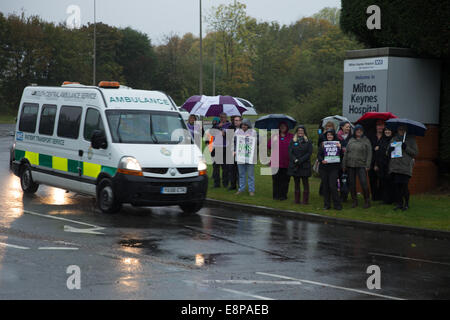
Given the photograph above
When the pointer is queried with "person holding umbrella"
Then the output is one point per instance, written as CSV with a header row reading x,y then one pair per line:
x,y
300,151
280,177
279,159
344,135
357,160
220,144
381,167
329,155
233,174
401,164
376,140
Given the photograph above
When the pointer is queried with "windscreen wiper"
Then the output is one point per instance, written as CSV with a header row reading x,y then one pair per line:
x,y
152,134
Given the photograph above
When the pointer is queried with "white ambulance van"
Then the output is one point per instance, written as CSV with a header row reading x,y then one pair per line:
x,y
117,144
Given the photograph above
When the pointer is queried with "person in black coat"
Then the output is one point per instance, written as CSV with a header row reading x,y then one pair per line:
x,y
381,167
329,171
300,151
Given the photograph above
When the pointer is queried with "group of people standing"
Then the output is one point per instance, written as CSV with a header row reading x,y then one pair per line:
x,y
382,162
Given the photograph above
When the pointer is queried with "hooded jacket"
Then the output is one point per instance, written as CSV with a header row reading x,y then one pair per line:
x,y
404,164
358,153
300,150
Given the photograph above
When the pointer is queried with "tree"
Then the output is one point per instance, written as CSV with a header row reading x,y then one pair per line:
x,y
138,59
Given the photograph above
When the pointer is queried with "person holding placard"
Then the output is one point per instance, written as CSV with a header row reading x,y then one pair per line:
x,y
245,152
403,149
329,156
357,160
300,151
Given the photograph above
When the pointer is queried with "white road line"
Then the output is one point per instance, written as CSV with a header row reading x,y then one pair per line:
x,y
13,246
57,248
329,286
93,230
406,258
245,294
208,215
253,282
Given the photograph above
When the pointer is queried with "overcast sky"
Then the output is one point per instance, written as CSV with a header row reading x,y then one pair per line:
x,y
162,17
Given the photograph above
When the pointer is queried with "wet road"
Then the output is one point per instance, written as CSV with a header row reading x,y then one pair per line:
x,y
159,253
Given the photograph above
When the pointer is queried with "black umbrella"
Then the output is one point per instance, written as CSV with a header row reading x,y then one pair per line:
x,y
272,121
415,128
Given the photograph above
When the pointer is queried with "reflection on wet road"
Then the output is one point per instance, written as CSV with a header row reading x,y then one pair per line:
x,y
160,253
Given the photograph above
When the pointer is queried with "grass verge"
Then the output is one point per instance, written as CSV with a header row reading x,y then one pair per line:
x,y
431,210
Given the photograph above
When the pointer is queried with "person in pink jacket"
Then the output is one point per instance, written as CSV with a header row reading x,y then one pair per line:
x,y
279,162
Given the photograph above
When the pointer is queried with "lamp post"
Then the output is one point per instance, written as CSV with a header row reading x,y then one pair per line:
x,y
201,53
93,55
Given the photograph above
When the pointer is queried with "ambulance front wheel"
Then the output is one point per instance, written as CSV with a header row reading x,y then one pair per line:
x,y
191,207
26,180
106,198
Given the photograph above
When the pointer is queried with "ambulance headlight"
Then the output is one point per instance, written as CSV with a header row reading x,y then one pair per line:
x,y
202,167
129,165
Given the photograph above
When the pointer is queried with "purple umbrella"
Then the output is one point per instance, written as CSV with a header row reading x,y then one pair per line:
x,y
213,106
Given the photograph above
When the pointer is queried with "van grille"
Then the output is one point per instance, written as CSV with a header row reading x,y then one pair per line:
x,y
156,170
187,170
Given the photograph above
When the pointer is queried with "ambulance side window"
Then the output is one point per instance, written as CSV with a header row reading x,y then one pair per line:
x,y
69,122
28,117
47,122
92,122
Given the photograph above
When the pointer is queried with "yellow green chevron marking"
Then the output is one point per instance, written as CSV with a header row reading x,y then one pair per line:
x,y
63,164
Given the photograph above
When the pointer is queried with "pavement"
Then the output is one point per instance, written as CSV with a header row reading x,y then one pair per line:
x,y
219,253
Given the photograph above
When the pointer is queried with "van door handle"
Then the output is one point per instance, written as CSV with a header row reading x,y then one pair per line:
x,y
80,153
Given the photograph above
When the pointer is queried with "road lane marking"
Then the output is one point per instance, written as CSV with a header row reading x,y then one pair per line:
x,y
237,243
406,258
93,230
57,248
235,281
329,286
13,246
245,294
228,290
217,217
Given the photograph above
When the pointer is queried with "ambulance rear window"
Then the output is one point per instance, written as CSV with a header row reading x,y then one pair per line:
x,y
28,117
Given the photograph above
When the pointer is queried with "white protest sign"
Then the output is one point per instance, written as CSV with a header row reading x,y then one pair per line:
x,y
331,151
245,149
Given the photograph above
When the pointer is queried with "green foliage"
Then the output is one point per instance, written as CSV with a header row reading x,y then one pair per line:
x,y
423,26
320,102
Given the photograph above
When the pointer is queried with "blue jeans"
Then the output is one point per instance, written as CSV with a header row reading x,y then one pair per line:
x,y
244,170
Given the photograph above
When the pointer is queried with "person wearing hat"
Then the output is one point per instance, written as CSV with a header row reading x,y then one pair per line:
x,y
300,151
279,162
246,168
401,167
356,163
329,170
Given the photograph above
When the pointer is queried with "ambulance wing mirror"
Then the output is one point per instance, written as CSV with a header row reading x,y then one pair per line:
x,y
98,140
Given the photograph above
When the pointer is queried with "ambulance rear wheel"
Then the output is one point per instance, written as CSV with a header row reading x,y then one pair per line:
x,y
106,198
26,180
191,207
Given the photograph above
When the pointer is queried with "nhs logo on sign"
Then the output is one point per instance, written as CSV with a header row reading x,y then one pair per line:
x,y
19,136
378,62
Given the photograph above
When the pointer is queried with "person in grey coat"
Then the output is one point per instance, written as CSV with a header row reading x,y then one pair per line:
x,y
300,151
401,168
356,162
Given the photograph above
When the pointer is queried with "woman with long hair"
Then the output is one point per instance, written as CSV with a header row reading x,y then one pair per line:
x,y
300,151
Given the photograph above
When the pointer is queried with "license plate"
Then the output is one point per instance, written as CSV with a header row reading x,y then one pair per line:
x,y
173,190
